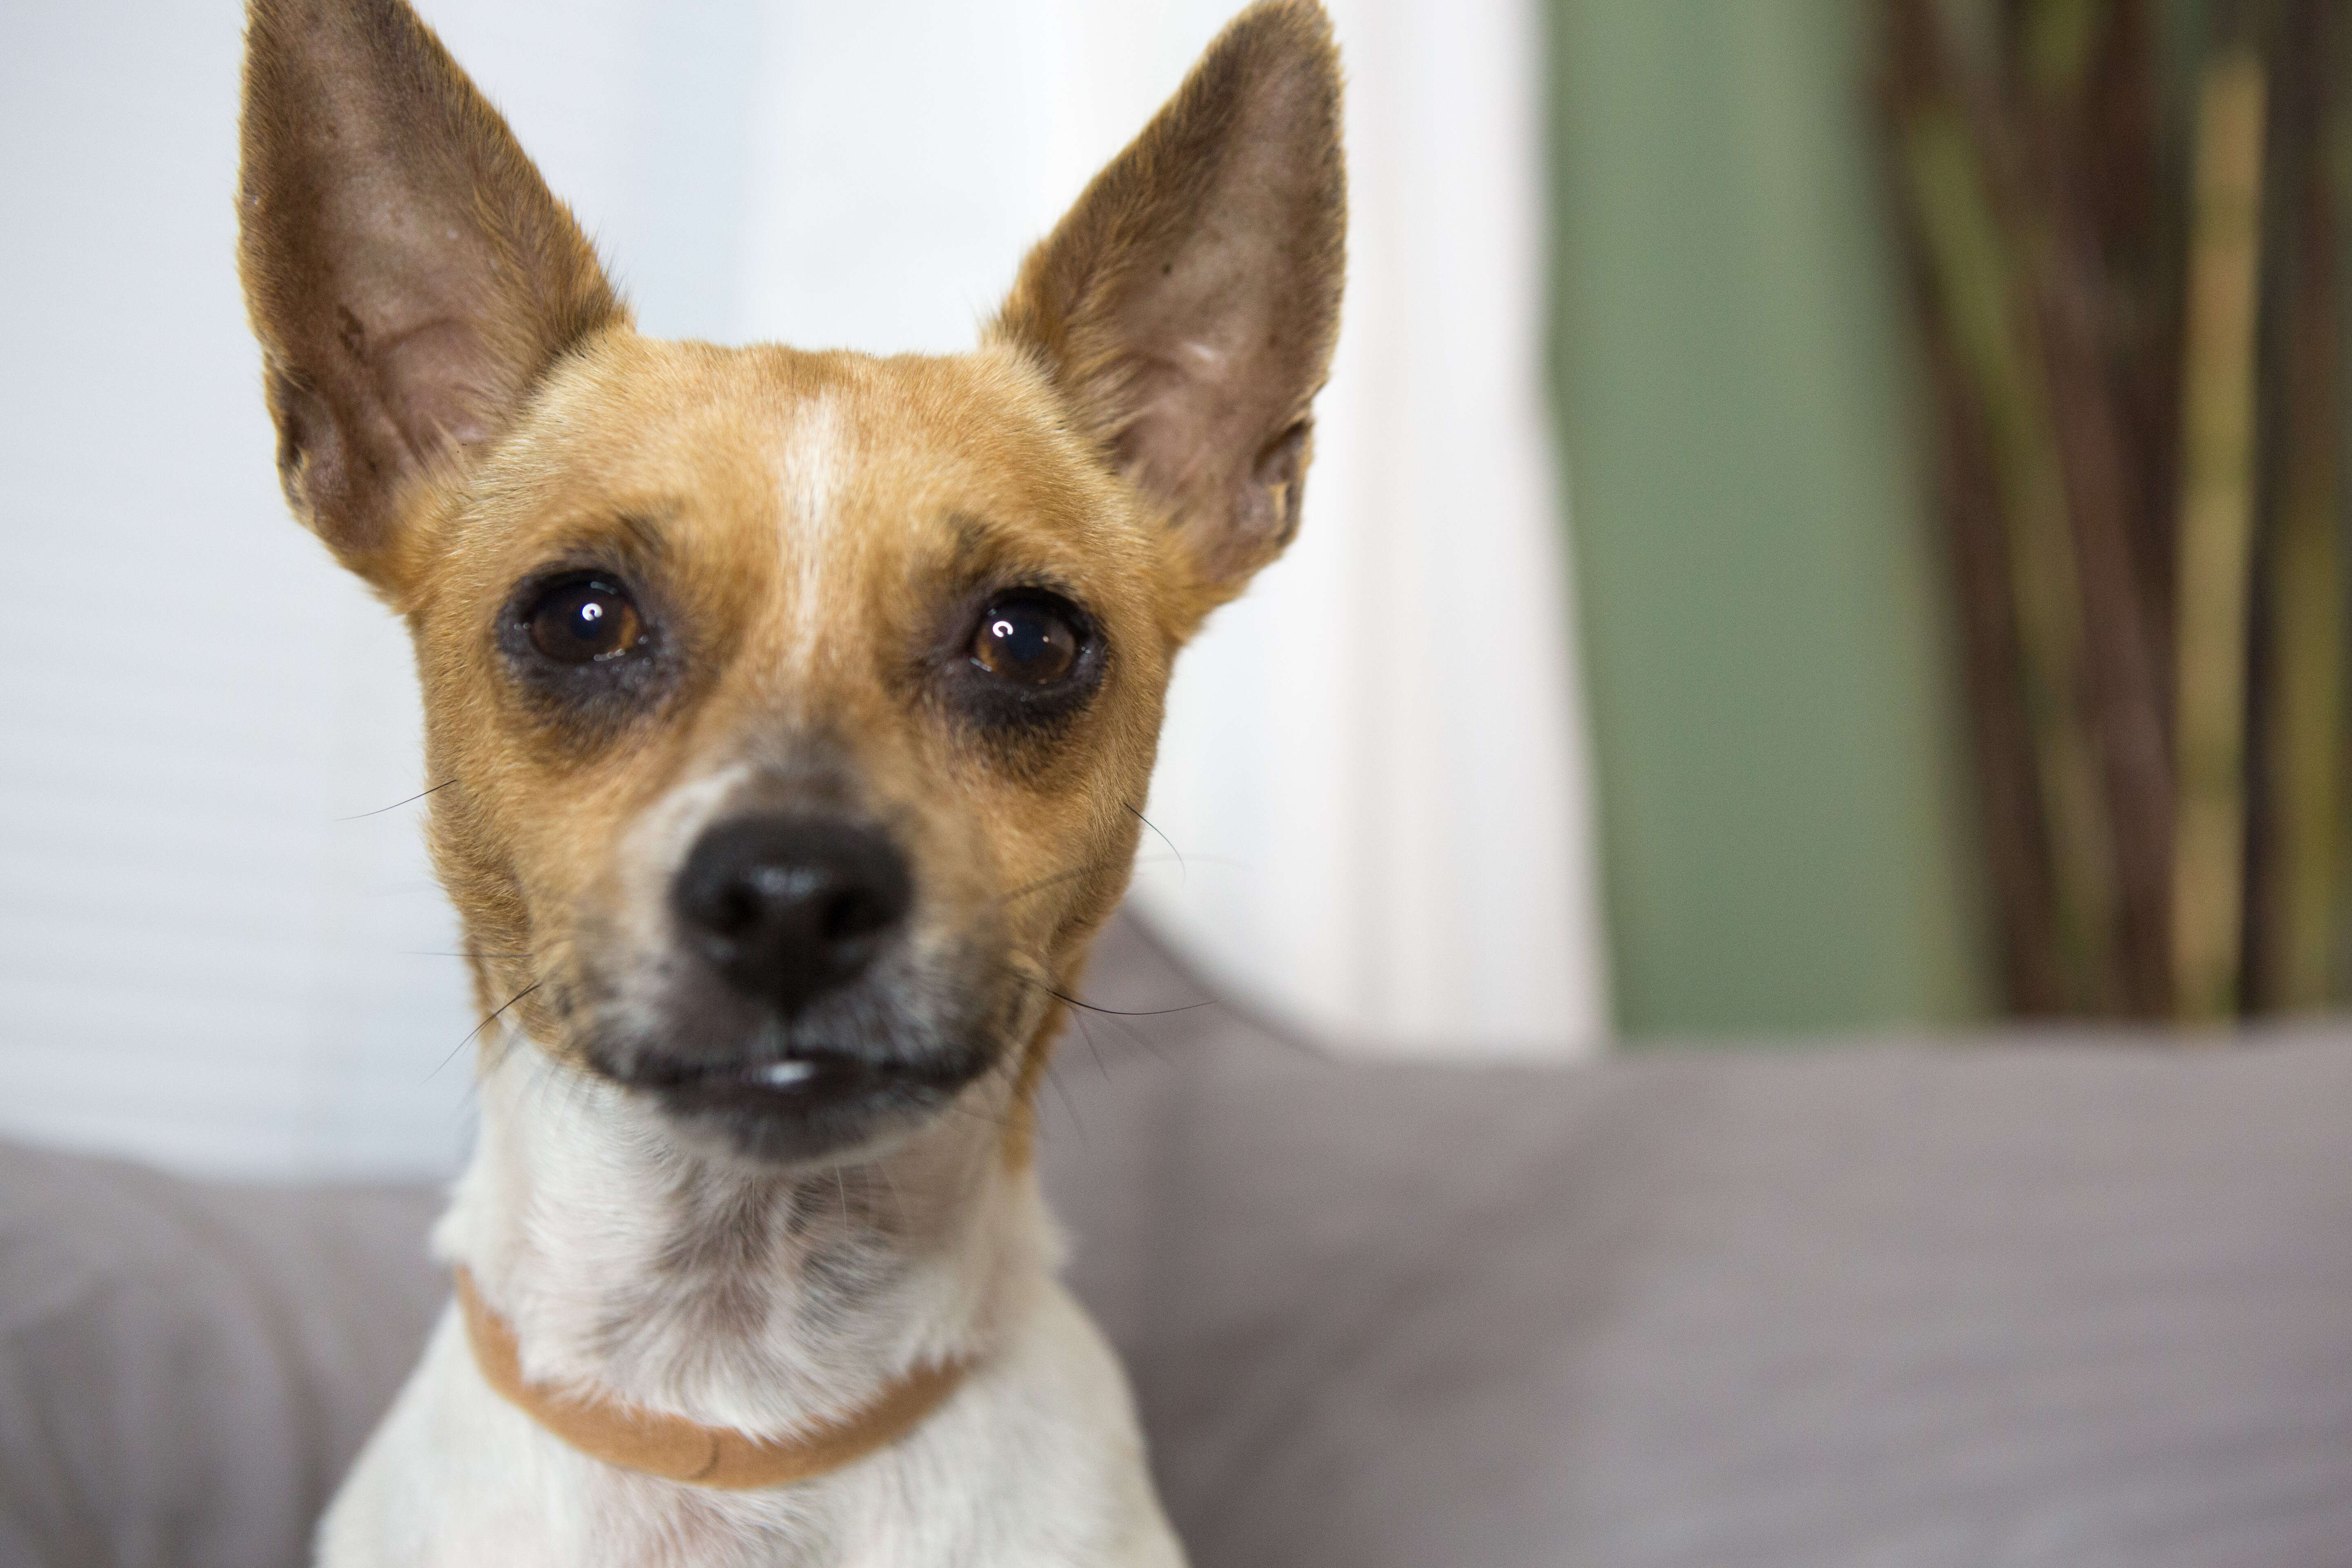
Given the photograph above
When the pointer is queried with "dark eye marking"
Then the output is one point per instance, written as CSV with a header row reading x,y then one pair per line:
x,y
587,648
584,620
1024,663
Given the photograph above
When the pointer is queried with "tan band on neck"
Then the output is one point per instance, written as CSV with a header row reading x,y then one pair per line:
x,y
682,1450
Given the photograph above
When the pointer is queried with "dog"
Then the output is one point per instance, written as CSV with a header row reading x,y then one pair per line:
x,y
787,716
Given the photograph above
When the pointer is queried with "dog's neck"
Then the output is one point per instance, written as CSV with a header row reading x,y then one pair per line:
x,y
635,1269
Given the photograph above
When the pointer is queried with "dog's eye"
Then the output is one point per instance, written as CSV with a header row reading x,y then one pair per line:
x,y
1025,641
583,621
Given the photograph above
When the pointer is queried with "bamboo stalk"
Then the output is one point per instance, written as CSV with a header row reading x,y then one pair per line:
x,y
2080,118
2307,577
1917,72
1992,338
2124,683
2016,832
2216,540
2073,122
2333,167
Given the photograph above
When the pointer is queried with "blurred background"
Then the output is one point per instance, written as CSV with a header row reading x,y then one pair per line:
x,y
1827,518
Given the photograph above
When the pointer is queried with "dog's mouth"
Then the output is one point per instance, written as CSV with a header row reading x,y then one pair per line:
x,y
795,1085
808,1105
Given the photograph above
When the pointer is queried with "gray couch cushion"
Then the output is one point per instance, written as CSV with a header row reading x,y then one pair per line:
x,y
2065,1302
186,1369
2058,1302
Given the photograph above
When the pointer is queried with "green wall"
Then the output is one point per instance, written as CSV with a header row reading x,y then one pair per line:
x,y
1787,822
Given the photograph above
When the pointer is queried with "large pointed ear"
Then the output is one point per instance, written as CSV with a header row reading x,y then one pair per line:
x,y
1187,306
407,272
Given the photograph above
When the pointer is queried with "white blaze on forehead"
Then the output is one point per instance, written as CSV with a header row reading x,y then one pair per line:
x,y
812,458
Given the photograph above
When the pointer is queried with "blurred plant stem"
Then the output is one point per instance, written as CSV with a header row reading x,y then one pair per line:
x,y
2298,847
2217,516
1992,344
2139,432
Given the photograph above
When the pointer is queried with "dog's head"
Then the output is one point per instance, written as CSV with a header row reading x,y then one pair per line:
x,y
788,714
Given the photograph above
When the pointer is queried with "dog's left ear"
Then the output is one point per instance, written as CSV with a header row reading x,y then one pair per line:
x,y
1187,306
408,274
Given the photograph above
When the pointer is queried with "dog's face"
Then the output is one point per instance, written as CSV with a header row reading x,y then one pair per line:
x,y
788,714
799,705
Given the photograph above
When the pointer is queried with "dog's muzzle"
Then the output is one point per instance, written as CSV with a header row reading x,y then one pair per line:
x,y
796,1032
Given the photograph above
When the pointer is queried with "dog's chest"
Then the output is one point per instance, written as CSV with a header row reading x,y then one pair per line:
x,y
1034,1462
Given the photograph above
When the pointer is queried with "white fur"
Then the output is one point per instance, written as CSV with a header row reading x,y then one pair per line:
x,y
574,1218
810,466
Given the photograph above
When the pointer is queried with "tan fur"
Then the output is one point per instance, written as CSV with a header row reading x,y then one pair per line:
x,y
965,474
462,401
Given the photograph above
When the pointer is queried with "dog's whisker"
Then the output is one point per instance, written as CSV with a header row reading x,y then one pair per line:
x,y
1127,1031
1056,879
999,1120
486,1022
900,1212
1175,856
396,805
1093,1049
1183,871
1195,858
1062,1092
416,952
1070,1000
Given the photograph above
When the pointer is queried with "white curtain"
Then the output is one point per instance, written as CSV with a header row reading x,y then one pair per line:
x,y
1372,768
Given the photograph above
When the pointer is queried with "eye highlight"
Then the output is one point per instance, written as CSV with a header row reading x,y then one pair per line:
x,y
1029,641
586,620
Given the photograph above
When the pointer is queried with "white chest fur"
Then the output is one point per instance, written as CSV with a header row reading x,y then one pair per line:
x,y
741,1299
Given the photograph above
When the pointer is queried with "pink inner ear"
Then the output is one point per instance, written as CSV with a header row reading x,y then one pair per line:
x,y
412,317
434,380
1209,377
1194,443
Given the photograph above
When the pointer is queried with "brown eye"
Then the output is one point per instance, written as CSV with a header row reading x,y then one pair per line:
x,y
1026,642
584,621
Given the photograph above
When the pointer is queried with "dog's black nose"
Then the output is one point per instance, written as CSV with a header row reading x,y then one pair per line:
x,y
787,908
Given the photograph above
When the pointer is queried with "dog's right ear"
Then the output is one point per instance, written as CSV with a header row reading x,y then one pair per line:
x,y
1187,305
408,273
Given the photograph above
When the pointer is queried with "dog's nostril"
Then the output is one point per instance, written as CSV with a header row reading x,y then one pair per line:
x,y
735,910
852,913
787,908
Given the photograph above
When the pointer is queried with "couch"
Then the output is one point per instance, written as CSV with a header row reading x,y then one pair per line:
x,y
2059,1297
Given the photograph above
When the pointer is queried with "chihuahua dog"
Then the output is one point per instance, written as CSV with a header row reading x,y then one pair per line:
x,y
787,716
